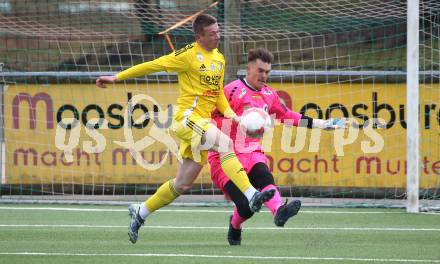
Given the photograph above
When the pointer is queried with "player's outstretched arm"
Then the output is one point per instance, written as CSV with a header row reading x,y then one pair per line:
x,y
103,80
286,115
331,124
169,63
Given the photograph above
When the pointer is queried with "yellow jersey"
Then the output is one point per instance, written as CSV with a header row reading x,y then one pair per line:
x,y
200,75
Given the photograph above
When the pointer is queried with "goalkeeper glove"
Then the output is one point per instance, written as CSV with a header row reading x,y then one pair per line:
x,y
330,124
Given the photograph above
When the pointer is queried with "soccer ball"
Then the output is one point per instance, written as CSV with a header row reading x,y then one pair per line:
x,y
254,122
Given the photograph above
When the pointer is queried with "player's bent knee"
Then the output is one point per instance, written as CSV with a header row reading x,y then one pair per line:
x,y
243,208
240,201
260,176
225,144
230,144
218,141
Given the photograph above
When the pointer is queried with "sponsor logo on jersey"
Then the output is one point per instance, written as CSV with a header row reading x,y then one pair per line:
x,y
202,68
218,64
267,92
200,56
211,93
209,79
256,96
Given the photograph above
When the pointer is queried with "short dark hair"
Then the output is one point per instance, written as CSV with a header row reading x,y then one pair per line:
x,y
260,53
202,21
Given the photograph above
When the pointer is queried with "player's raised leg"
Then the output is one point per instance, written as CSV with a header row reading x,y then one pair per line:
x,y
281,212
274,203
218,141
286,211
261,177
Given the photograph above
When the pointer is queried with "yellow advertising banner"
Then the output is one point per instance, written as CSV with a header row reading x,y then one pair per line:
x,y
80,134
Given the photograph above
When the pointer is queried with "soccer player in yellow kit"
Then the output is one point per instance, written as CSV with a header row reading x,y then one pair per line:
x,y
200,68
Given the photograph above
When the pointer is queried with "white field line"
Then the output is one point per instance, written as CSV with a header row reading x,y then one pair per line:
x,y
264,258
430,213
182,210
224,228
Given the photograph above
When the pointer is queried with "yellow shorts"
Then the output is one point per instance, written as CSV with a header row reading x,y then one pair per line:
x,y
190,131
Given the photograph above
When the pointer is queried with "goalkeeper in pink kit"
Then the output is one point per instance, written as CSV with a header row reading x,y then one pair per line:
x,y
242,94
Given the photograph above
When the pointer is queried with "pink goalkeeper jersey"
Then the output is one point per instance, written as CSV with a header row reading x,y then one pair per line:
x,y
242,97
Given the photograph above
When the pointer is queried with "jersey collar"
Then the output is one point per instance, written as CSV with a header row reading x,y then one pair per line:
x,y
243,80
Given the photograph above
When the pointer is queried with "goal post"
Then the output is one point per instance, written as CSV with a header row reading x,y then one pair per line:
x,y
412,98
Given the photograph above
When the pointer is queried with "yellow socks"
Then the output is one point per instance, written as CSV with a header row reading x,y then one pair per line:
x,y
235,171
163,196
230,165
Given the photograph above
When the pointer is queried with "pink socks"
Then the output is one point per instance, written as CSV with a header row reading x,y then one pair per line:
x,y
274,203
237,220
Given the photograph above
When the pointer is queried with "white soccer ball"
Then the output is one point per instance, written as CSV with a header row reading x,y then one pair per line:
x,y
255,122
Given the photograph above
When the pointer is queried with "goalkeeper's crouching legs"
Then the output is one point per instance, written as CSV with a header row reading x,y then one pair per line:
x,y
242,212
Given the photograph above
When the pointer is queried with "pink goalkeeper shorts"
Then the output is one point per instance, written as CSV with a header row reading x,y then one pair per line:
x,y
248,160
